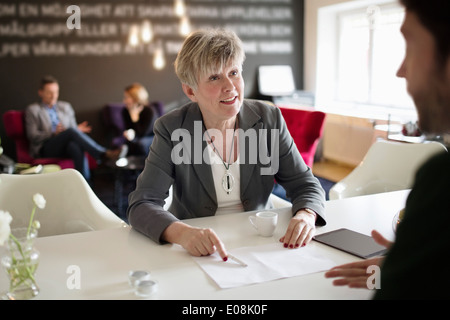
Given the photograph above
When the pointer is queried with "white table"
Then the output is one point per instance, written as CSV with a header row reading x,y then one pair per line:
x,y
105,257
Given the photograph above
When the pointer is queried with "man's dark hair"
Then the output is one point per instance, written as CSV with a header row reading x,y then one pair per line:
x,y
46,80
435,16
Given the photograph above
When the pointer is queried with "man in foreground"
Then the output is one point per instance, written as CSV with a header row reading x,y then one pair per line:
x,y
413,267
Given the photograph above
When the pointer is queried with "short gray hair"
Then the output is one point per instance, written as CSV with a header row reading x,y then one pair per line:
x,y
207,51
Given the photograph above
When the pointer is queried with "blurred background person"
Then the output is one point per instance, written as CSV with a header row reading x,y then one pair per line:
x,y
53,131
139,118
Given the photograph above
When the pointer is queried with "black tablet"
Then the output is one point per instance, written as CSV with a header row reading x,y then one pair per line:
x,y
352,242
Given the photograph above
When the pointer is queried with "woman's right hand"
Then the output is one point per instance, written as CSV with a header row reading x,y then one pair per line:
x,y
197,241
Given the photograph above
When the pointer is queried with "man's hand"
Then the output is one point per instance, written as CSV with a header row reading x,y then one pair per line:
x,y
84,127
354,275
59,129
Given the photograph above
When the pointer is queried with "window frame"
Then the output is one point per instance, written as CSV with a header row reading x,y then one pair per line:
x,y
328,64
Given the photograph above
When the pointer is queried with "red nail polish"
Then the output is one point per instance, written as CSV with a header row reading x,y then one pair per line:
x,y
297,245
291,246
303,244
225,259
285,245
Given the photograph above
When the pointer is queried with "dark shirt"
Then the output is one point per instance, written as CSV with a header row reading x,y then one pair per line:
x,y
416,266
144,126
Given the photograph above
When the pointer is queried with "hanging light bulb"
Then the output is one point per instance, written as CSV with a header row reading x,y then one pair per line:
x,y
146,31
185,26
180,8
133,38
159,61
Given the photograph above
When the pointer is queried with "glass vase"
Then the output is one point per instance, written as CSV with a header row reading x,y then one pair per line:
x,y
20,263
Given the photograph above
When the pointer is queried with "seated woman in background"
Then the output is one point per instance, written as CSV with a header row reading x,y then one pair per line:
x,y
139,119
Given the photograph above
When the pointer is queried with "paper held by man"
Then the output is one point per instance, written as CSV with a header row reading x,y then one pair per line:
x,y
264,263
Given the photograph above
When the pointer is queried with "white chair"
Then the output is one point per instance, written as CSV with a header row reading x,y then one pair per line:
x,y
71,205
278,202
387,166
168,199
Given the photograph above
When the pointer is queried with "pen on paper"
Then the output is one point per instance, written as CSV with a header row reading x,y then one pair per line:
x,y
237,260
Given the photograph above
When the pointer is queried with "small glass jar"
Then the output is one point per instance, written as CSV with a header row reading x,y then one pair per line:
x,y
20,263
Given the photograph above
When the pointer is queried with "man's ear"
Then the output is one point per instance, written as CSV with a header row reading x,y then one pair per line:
x,y
189,92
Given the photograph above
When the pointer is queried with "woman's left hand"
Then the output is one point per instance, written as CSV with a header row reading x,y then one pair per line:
x,y
300,231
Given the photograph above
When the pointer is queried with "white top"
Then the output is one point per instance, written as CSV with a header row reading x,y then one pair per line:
x,y
227,203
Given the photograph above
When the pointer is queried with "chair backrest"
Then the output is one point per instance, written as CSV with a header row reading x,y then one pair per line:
x,y
387,166
158,107
71,205
14,121
306,128
15,129
113,121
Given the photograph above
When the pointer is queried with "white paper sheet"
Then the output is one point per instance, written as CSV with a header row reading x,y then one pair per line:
x,y
265,263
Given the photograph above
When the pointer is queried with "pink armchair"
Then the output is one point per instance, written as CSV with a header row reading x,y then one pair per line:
x,y
306,128
15,130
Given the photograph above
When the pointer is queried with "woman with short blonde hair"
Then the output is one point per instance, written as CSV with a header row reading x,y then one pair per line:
x,y
139,118
138,93
209,66
208,51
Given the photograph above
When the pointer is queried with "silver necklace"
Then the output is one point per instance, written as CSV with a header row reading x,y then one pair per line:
x,y
227,179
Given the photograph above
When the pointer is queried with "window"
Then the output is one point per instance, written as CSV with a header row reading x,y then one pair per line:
x,y
362,60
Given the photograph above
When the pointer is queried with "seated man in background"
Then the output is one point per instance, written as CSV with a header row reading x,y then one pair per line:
x,y
53,131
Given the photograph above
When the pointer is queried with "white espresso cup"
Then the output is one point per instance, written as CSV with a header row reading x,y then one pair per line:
x,y
264,222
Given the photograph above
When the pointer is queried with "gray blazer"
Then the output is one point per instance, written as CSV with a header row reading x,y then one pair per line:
x,y
38,125
193,185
